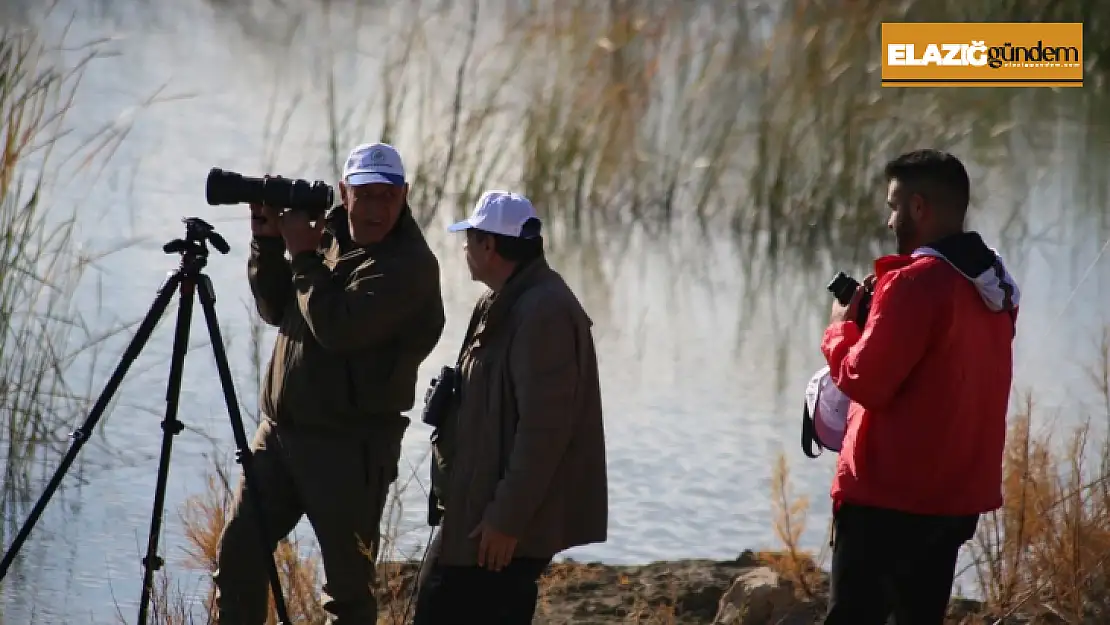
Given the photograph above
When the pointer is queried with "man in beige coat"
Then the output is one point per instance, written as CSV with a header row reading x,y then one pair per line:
x,y
521,457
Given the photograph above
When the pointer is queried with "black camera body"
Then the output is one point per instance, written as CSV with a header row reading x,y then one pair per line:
x,y
439,402
439,397
228,187
843,287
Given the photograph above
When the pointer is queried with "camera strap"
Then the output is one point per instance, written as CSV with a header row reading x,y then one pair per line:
x,y
809,434
434,512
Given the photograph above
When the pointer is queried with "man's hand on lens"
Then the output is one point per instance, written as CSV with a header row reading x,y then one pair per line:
x,y
264,221
850,312
299,233
495,550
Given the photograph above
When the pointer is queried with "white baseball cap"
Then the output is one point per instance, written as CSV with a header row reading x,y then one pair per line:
x,y
500,212
827,406
371,163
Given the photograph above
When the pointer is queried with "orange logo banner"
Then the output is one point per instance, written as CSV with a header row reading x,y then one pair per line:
x,y
1003,54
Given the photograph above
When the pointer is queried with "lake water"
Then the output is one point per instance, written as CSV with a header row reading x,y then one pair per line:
x,y
702,370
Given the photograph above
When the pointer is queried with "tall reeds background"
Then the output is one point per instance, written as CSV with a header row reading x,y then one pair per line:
x,y
758,121
46,342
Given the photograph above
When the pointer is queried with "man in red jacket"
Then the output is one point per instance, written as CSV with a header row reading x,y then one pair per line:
x,y
929,378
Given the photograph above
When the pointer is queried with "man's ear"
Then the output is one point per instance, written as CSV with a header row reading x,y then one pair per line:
x,y
343,192
918,207
405,193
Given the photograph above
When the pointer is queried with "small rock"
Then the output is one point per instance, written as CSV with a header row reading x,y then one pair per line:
x,y
755,598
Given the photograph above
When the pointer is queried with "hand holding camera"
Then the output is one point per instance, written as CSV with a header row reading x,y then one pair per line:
x,y
300,234
294,227
851,300
264,221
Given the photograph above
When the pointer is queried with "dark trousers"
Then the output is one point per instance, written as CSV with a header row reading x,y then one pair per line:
x,y
341,487
893,565
467,595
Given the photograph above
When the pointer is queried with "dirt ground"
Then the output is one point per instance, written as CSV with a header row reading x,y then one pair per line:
x,y
682,592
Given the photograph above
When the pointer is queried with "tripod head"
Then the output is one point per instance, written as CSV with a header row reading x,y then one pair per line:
x,y
194,247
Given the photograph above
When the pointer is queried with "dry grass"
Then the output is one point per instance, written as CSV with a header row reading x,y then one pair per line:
x,y
1046,551
46,341
789,511
204,517
205,514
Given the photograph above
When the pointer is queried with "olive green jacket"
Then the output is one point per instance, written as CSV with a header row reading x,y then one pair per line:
x,y
525,450
354,324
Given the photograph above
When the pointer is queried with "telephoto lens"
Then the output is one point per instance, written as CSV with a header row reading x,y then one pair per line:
x,y
228,187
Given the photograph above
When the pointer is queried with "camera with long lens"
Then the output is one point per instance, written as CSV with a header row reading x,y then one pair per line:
x,y
228,187
843,287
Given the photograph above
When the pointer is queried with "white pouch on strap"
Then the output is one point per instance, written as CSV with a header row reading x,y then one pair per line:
x,y
825,415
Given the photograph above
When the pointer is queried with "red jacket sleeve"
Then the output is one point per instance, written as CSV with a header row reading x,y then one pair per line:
x,y
869,367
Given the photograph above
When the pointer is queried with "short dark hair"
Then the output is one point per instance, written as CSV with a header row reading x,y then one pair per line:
x,y
937,176
517,249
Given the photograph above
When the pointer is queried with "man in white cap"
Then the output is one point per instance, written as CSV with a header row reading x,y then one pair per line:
x,y
520,470
359,307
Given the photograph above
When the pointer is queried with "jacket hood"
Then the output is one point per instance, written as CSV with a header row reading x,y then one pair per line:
x,y
970,256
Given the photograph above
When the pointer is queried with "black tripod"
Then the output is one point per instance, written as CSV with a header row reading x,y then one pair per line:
x,y
187,279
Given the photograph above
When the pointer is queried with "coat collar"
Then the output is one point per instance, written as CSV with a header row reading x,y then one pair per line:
x,y
496,305
965,251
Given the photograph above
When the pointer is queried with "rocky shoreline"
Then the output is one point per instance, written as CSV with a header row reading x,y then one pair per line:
x,y
680,592
753,589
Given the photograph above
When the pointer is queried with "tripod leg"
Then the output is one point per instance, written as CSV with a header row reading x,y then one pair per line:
x,y
243,453
82,434
170,427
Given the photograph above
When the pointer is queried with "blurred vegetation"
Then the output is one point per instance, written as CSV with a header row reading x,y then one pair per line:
x,y
762,119
45,337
